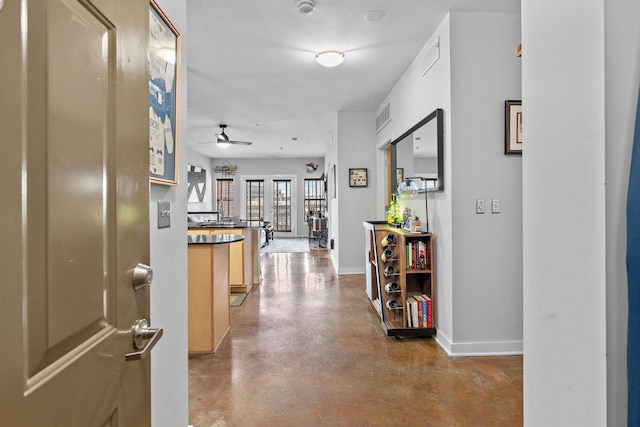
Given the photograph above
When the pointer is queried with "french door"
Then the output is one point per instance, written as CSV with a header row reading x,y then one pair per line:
x,y
281,202
272,198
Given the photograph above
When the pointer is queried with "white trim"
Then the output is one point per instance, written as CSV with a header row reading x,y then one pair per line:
x,y
352,270
381,191
488,348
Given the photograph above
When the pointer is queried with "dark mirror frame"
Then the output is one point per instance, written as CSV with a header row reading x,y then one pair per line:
x,y
438,116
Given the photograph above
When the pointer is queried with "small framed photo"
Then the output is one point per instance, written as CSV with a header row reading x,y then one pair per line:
x,y
513,127
358,177
399,175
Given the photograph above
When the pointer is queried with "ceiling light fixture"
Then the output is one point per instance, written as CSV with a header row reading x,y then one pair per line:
x,y
306,7
373,15
330,58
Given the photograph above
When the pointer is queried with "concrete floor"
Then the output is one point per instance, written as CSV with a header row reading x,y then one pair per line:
x,y
306,349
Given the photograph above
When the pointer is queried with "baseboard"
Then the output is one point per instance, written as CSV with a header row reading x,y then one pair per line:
x,y
487,348
346,271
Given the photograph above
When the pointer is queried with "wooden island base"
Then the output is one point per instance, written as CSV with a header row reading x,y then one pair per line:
x,y
209,312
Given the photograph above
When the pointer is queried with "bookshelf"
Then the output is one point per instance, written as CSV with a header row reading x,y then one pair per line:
x,y
400,279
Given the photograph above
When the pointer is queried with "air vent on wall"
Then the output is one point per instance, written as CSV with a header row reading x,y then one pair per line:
x,y
431,56
383,118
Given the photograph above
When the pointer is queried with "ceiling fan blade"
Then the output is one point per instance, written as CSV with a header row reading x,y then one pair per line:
x,y
227,142
239,142
223,139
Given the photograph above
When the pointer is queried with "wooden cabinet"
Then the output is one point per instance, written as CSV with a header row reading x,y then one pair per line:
x,y
243,258
400,279
209,312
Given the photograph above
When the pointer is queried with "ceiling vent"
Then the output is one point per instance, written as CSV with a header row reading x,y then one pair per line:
x,y
306,7
383,118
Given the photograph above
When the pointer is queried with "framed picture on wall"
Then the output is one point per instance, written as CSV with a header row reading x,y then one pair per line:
x,y
513,127
331,182
358,177
197,184
164,88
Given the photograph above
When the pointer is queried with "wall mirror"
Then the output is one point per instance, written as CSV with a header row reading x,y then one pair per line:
x,y
418,153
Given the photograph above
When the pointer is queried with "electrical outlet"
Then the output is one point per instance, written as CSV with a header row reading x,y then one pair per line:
x,y
495,205
479,206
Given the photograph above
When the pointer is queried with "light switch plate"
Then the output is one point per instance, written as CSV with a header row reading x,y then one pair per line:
x,y
164,214
495,206
479,206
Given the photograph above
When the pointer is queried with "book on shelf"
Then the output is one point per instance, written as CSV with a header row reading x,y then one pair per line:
x,y
410,308
416,255
419,311
419,305
428,323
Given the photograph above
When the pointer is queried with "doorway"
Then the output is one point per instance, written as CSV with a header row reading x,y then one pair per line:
x,y
272,198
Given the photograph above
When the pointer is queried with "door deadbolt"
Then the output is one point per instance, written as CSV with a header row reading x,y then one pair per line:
x,y
142,276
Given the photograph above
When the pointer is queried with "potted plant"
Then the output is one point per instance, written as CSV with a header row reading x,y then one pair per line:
x,y
309,217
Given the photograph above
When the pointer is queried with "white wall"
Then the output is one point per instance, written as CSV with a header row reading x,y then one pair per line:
x,y
598,139
330,159
169,360
356,149
486,249
622,75
564,201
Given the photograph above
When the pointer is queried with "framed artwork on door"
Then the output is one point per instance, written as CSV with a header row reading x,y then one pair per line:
x,y
164,91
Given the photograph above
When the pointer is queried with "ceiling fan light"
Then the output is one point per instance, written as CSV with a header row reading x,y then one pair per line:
x,y
330,58
306,7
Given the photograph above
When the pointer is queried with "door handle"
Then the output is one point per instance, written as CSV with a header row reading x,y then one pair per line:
x,y
142,276
144,339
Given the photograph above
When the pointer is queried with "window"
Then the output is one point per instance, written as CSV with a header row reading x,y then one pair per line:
x,y
224,195
314,197
282,205
255,199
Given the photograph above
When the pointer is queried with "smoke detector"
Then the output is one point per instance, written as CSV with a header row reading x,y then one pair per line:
x,y
306,7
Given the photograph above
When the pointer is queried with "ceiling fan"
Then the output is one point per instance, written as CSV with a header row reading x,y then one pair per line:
x,y
223,140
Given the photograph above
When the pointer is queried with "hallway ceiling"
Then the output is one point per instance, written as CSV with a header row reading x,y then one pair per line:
x,y
251,65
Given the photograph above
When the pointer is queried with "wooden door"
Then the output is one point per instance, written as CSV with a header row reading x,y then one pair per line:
x,y
75,191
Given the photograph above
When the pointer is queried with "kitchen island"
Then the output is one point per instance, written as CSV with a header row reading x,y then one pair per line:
x,y
244,267
208,268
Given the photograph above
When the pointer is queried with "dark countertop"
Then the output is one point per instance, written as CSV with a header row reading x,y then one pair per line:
x,y
213,239
240,224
